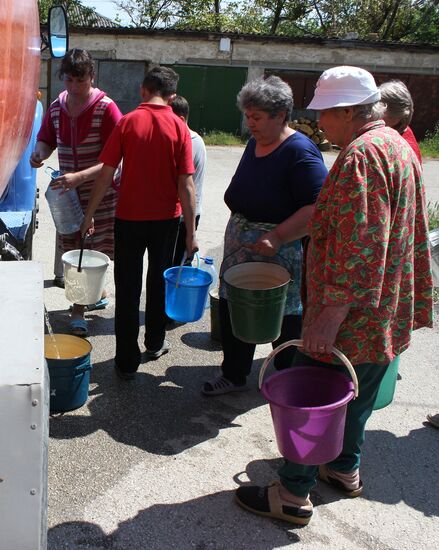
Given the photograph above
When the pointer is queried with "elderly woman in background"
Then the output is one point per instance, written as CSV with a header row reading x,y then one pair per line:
x,y
396,108
368,276
271,198
78,123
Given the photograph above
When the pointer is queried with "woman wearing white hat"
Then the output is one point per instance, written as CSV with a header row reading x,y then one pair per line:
x,y
368,275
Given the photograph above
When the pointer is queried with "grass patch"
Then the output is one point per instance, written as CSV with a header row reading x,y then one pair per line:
x,y
430,145
433,215
223,138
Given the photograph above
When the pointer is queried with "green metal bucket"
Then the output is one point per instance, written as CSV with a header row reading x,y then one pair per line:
x,y
387,386
256,295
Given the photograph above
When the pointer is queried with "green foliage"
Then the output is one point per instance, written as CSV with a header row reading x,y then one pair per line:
x,y
430,145
223,138
395,20
148,13
433,215
69,5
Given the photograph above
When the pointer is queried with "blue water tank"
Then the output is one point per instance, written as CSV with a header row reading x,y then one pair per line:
x,y
21,190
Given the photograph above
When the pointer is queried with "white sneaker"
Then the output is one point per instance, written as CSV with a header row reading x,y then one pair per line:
x,y
158,353
220,386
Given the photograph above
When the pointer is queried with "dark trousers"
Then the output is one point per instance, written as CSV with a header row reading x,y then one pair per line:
x,y
131,239
180,245
238,355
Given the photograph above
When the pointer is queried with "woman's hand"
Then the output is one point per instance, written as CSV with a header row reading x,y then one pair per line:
x,y
87,226
41,152
267,245
36,161
66,182
319,337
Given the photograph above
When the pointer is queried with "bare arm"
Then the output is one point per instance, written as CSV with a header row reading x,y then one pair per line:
x,y
41,152
293,228
100,187
71,180
186,192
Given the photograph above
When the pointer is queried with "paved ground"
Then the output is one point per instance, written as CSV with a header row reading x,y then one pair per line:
x,y
152,464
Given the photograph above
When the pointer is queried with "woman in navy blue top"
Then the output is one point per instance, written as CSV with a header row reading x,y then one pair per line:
x,y
271,198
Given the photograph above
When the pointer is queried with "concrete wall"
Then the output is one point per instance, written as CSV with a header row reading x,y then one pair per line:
x,y
258,54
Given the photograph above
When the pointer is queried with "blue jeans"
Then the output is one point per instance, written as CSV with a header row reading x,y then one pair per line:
x,y
299,479
131,240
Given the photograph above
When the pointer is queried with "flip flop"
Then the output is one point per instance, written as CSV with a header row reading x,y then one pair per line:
x,y
78,327
100,304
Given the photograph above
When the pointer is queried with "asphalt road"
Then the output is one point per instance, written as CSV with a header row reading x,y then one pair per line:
x,y
152,464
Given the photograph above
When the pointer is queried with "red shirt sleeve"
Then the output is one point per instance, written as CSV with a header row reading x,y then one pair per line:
x,y
47,132
111,154
186,164
111,117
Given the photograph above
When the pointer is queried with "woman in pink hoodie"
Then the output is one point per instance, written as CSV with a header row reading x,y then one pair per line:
x,y
78,123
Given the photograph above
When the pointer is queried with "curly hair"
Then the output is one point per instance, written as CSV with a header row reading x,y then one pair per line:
x,y
271,95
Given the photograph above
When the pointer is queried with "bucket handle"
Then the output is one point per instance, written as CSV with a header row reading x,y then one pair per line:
x,y
299,343
197,257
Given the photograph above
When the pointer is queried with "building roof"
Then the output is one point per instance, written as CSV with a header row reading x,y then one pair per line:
x,y
80,16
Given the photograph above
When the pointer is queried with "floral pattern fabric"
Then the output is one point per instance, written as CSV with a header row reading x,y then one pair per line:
x,y
239,233
369,247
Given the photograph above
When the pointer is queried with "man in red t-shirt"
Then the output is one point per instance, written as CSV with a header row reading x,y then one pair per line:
x,y
156,188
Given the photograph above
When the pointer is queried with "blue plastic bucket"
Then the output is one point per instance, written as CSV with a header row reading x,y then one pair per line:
x,y
186,290
68,361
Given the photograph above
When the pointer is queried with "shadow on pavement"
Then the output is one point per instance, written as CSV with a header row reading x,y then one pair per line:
x,y
394,469
212,521
159,414
200,340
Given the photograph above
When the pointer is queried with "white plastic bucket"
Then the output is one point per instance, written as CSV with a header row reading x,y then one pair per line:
x,y
85,287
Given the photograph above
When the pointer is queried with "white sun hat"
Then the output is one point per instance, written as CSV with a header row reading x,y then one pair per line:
x,y
344,86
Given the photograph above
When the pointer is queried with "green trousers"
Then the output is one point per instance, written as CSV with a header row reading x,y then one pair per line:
x,y
299,479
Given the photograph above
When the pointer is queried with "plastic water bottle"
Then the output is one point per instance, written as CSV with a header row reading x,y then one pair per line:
x,y
65,208
208,265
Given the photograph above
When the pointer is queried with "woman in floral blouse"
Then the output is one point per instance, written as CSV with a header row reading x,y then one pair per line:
x,y
368,276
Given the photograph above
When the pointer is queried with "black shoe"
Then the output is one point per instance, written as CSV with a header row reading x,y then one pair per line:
x,y
124,375
151,354
59,282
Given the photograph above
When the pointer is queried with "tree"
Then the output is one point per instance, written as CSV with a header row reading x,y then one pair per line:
x,y
71,9
281,16
149,13
395,20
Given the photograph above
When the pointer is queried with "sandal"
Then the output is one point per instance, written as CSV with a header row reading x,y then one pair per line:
x,y
221,385
433,419
266,501
337,484
78,327
100,304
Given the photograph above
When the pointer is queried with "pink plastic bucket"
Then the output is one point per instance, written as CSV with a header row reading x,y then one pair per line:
x,y
308,408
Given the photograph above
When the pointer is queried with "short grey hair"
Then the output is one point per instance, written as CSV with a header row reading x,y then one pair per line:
x,y
367,112
272,95
397,103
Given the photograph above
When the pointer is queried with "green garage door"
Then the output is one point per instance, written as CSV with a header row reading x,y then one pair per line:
x,y
211,93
